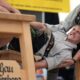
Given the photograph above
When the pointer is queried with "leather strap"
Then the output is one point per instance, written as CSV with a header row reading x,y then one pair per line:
x,y
49,46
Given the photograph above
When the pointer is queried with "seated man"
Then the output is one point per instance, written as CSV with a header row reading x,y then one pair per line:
x,y
61,53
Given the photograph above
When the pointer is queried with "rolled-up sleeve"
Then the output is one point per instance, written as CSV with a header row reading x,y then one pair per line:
x,y
54,61
54,28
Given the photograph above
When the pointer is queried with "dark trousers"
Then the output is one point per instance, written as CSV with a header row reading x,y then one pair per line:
x,y
53,74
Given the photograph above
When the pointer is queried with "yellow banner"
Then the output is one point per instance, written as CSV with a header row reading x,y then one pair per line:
x,y
41,5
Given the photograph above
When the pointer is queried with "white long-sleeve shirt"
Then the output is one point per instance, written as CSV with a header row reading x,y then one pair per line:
x,y
61,50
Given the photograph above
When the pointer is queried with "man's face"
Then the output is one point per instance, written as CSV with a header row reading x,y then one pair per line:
x,y
74,35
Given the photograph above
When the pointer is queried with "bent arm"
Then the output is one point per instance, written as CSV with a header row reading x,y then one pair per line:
x,y
45,27
69,62
55,61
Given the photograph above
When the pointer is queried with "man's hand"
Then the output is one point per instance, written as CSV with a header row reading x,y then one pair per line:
x,y
66,63
38,26
77,56
41,64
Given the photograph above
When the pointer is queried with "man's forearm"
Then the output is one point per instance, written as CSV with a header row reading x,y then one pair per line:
x,y
66,63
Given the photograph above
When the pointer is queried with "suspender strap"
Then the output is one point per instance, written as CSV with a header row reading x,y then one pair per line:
x,y
49,46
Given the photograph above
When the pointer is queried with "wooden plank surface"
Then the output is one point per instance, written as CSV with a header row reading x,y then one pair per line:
x,y
27,52
19,17
77,70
